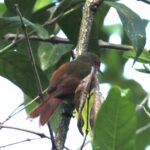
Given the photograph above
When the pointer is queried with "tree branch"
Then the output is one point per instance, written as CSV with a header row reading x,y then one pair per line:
x,y
58,40
103,44
52,39
41,135
63,127
86,24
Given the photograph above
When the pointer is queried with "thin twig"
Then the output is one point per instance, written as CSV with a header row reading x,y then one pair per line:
x,y
8,46
41,135
146,111
140,130
52,137
141,105
36,75
143,102
29,103
12,113
16,111
19,142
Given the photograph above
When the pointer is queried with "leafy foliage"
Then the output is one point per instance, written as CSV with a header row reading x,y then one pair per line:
x,y
116,122
133,25
46,18
17,68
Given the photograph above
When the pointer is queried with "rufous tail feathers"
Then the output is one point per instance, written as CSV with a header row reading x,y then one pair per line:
x,y
45,109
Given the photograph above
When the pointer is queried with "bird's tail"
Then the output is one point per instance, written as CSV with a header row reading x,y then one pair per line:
x,y
45,109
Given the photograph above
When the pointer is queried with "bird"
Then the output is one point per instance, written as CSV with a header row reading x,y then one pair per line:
x,y
63,84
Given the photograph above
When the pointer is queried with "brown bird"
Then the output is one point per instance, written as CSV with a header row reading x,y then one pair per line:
x,y
63,84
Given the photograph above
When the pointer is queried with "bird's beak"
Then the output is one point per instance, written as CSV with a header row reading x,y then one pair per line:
x,y
99,71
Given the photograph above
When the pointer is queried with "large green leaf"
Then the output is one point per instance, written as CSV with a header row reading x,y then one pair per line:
x,y
18,69
25,6
116,122
50,54
69,25
11,24
96,31
133,26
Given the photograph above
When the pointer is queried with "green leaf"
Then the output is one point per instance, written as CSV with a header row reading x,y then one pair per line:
x,y
97,27
40,16
69,25
11,24
143,58
142,138
144,70
133,26
18,69
39,4
2,9
25,6
100,16
116,122
50,54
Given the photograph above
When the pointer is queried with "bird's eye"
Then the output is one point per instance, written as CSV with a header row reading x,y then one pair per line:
x,y
97,63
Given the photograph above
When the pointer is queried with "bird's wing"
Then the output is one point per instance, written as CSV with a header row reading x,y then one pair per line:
x,y
67,86
57,77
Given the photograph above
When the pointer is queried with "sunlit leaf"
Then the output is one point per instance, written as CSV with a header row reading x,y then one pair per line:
x,y
40,4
